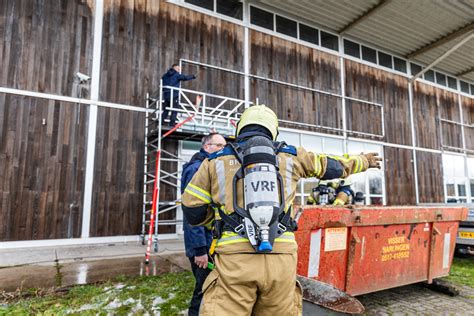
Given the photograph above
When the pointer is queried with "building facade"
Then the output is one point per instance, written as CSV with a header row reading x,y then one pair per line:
x,y
72,151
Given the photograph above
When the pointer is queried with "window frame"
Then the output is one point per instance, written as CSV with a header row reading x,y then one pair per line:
x,y
465,179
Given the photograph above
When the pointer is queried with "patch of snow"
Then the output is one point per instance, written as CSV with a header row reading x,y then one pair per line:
x,y
138,307
119,286
83,308
129,301
157,301
116,303
87,307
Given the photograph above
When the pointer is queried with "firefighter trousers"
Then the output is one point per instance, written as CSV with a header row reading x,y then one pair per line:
x,y
253,284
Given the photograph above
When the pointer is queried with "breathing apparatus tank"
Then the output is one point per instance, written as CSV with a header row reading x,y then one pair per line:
x,y
263,188
324,192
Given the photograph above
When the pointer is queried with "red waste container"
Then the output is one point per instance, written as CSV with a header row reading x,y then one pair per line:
x,y
366,249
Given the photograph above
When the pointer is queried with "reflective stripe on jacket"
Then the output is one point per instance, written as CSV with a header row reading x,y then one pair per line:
x,y
213,183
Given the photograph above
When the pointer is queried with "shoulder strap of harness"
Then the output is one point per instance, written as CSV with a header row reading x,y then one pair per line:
x,y
226,151
282,147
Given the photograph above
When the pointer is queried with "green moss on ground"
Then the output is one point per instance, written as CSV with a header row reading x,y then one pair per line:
x,y
462,271
168,294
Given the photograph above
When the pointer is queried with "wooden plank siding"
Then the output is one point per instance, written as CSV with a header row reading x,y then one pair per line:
x,y
118,173
430,177
278,59
141,40
44,44
399,176
468,116
426,113
42,168
375,85
449,110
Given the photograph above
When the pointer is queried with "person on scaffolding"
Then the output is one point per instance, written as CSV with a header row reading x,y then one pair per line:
x,y
197,240
172,78
247,189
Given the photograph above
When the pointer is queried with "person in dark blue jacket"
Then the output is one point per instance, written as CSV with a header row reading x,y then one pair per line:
x,y
172,78
198,239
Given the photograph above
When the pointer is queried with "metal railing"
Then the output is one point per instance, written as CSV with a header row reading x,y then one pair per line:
x,y
378,106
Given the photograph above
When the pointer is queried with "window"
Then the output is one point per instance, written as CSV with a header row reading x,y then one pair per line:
x,y
351,48
309,34
415,68
400,64
464,86
452,83
370,183
455,178
206,4
290,138
261,18
369,54
329,41
470,169
332,146
286,26
471,184
472,89
440,79
313,143
232,8
429,75
385,60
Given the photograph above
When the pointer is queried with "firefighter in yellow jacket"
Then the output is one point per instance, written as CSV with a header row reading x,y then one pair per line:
x,y
246,190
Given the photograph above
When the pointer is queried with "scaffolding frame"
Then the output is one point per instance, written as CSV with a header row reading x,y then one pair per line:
x,y
209,112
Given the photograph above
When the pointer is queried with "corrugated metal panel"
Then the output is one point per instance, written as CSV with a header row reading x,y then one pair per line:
x,y
400,27
332,15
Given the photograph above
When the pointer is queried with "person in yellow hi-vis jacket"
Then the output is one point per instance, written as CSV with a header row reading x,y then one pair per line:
x,y
247,190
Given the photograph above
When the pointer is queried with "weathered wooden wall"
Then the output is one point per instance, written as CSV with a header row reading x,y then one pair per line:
x,y
449,110
118,173
278,59
468,116
43,44
430,177
142,39
42,165
399,176
425,111
375,85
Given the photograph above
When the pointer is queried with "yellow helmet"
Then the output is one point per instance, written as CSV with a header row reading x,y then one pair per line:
x,y
259,115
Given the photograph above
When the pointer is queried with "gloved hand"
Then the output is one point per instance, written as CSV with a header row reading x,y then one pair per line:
x,y
374,160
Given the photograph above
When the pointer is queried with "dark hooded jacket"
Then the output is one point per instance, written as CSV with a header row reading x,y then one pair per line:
x,y
172,78
197,239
